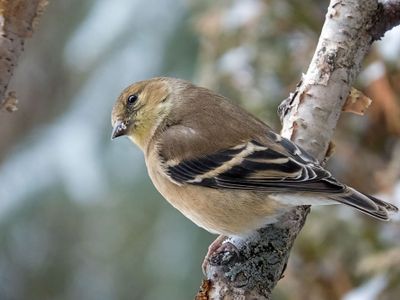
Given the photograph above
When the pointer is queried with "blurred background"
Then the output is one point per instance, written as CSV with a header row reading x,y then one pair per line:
x,y
79,217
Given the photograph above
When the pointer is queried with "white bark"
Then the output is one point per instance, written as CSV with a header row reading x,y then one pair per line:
x,y
318,101
17,19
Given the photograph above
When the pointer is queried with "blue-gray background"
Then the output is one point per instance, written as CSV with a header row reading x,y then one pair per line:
x,y
80,219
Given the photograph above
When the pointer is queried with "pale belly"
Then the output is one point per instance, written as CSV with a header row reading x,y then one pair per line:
x,y
229,212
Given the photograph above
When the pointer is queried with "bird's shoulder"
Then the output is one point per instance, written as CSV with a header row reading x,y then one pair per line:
x,y
204,122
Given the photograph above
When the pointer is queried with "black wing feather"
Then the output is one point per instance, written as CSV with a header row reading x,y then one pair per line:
x,y
259,168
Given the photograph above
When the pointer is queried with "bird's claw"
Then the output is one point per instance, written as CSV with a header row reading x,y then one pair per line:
x,y
218,247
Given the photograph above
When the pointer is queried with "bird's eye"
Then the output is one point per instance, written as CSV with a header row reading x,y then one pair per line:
x,y
132,99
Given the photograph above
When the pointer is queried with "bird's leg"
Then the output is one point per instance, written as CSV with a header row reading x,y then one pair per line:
x,y
219,245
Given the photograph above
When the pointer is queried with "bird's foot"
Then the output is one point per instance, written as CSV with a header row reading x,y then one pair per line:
x,y
220,247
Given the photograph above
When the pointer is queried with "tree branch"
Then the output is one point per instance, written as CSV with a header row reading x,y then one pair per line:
x,y
387,17
17,20
309,118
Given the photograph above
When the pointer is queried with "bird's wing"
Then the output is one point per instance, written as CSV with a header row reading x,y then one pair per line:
x,y
277,165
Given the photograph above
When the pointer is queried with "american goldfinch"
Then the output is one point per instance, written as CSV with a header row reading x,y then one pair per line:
x,y
220,166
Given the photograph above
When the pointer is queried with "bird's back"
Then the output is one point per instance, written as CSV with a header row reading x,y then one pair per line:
x,y
201,115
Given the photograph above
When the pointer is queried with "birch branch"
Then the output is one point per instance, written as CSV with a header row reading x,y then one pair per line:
x,y
387,17
309,118
17,20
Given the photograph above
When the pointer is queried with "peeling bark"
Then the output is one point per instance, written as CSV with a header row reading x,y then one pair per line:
x,y
17,21
309,118
356,102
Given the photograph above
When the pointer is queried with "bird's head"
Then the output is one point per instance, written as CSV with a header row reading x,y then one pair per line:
x,y
140,109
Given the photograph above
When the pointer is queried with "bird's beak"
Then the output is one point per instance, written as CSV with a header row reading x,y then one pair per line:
x,y
119,129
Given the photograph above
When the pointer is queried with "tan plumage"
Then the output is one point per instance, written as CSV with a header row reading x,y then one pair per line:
x,y
221,167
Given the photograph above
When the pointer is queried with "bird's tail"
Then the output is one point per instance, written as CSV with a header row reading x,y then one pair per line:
x,y
367,204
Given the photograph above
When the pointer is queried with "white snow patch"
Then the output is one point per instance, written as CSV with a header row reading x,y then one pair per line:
x,y
373,72
389,46
368,291
237,63
241,13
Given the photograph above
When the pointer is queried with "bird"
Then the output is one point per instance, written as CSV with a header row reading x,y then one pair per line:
x,y
220,166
